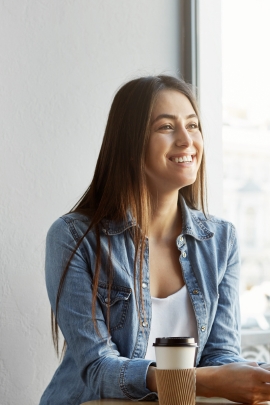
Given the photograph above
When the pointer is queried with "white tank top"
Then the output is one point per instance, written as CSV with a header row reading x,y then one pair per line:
x,y
171,316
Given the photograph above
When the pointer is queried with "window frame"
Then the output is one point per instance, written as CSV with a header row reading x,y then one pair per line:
x,y
201,65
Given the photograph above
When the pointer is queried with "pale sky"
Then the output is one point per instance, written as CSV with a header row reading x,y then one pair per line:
x,y
246,56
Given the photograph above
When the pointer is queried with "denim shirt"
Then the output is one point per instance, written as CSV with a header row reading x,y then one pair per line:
x,y
103,365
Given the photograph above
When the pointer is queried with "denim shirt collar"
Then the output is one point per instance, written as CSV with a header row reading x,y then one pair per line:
x,y
193,223
110,227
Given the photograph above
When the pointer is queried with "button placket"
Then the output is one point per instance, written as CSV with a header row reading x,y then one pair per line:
x,y
145,286
180,241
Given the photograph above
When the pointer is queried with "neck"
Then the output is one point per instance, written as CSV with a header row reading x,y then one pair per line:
x,y
166,219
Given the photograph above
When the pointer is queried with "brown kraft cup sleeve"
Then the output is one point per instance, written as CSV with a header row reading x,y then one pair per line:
x,y
176,386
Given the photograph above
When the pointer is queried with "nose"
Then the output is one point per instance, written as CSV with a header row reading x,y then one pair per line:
x,y
183,138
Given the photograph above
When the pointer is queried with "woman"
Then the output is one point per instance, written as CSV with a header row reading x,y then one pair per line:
x,y
141,231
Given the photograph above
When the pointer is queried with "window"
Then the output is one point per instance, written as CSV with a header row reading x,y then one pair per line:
x,y
246,148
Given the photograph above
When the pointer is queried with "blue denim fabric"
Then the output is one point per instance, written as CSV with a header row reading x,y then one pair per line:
x,y
113,366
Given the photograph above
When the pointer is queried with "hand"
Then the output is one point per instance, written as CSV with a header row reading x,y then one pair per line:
x,y
239,382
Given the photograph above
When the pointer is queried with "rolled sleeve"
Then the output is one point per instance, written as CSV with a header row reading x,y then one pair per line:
x,y
133,374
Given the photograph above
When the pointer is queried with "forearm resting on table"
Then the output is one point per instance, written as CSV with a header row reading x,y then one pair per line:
x,y
239,382
205,377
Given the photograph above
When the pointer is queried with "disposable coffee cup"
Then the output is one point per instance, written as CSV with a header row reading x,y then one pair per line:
x,y
175,353
175,372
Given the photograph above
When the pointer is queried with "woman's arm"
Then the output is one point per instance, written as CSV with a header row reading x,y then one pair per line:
x,y
100,365
238,382
151,379
224,341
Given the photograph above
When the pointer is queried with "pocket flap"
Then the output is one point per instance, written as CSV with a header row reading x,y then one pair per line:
x,y
117,293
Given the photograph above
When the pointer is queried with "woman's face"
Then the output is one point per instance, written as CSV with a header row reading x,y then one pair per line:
x,y
175,148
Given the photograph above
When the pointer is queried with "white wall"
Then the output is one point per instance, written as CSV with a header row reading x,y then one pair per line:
x,y
61,62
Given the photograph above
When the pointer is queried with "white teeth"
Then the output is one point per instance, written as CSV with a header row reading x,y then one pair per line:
x,y
183,159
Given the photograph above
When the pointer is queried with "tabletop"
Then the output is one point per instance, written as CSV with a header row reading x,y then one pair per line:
x,y
199,400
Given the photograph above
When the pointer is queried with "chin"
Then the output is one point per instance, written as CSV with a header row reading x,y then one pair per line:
x,y
186,183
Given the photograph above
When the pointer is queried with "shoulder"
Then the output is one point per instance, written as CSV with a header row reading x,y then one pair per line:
x,y
221,225
215,222
205,226
71,224
223,231
207,219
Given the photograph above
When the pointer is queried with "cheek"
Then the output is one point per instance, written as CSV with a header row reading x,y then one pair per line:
x,y
200,146
160,144
200,159
155,151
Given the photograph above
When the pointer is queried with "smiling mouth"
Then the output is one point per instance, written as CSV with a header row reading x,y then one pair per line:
x,y
182,159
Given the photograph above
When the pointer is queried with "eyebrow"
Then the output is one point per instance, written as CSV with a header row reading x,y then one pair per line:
x,y
172,116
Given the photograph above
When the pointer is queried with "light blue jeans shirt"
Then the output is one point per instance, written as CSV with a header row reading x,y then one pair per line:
x,y
113,366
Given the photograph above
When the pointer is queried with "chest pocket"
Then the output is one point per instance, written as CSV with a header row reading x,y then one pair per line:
x,y
117,303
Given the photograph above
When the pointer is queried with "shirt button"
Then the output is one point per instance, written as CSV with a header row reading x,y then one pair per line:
x,y
144,324
203,328
181,239
184,254
106,300
196,292
144,285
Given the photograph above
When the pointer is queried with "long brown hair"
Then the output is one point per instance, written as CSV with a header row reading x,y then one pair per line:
x,y
119,182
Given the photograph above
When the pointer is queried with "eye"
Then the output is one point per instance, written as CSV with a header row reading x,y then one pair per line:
x,y
193,125
166,126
